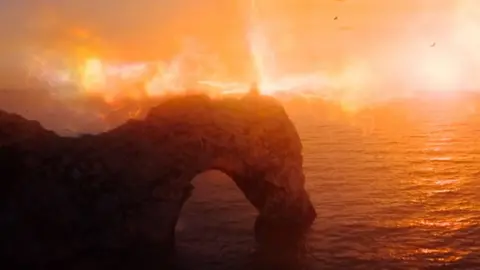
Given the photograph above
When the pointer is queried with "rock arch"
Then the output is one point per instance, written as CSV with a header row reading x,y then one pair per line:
x,y
126,187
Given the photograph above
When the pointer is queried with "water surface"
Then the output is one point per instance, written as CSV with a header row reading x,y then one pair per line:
x,y
396,188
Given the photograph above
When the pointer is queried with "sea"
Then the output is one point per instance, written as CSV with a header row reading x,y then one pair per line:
x,y
395,187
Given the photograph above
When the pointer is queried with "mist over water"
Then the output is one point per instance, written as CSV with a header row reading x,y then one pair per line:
x,y
65,117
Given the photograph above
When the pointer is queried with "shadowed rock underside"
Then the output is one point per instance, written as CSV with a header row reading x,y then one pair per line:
x,y
122,191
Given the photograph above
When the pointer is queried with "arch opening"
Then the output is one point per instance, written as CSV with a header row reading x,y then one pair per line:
x,y
215,222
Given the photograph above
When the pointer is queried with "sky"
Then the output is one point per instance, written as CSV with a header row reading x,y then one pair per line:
x,y
149,28
136,28
367,48
296,33
130,30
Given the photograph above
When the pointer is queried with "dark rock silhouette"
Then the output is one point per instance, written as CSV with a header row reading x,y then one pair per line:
x,y
118,195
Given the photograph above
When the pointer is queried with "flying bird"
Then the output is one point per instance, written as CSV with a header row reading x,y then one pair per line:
x,y
336,18
433,44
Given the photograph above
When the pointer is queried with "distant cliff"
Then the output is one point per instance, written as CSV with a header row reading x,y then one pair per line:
x,y
77,200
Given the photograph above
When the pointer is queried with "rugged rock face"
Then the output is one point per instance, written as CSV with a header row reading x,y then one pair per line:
x,y
121,192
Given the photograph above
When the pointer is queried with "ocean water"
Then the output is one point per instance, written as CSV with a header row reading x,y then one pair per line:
x,y
397,188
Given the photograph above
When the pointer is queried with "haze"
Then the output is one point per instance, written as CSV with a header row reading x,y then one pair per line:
x,y
150,29
364,49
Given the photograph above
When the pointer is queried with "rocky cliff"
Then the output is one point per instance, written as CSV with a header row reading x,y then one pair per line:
x,y
118,194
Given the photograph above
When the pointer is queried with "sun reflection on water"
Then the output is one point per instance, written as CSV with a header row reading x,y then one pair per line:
x,y
441,210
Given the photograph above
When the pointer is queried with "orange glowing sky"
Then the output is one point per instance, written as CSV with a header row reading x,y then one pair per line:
x,y
152,28
402,42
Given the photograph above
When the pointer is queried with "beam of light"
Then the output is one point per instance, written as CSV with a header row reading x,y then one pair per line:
x,y
269,69
260,50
